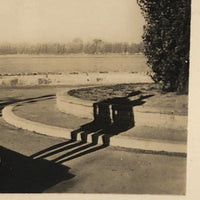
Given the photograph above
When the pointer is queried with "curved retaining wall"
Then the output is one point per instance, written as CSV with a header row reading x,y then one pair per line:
x,y
28,125
177,122
82,108
119,141
74,106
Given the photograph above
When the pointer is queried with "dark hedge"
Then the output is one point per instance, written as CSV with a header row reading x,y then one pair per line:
x,y
167,41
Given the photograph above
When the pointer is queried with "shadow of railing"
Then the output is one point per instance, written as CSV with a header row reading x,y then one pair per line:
x,y
111,117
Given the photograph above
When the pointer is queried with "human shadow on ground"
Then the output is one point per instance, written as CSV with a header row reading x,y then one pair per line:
x,y
21,174
111,117
8,101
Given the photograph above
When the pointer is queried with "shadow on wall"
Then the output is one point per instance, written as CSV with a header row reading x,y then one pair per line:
x,y
111,117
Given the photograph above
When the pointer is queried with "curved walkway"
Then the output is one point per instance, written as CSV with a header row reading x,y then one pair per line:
x,y
122,140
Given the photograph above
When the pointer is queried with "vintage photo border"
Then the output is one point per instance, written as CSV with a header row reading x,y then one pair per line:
x,y
193,158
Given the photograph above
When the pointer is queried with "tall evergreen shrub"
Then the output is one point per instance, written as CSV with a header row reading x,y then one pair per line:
x,y
166,41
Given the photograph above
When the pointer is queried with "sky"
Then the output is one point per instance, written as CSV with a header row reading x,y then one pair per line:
x,y
35,21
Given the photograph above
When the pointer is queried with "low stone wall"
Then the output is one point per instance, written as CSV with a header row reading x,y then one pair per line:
x,y
171,121
28,125
159,147
74,106
82,108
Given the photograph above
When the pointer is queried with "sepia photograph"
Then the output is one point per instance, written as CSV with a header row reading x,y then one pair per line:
x,y
94,96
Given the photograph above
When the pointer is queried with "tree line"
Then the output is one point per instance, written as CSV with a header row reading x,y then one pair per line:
x,y
77,46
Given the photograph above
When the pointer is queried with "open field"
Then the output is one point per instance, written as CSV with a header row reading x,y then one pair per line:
x,y
23,70
72,63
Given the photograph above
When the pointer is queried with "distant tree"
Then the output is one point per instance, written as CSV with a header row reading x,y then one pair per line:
x,y
90,48
139,47
132,48
77,45
167,41
124,47
60,49
52,48
117,48
96,46
107,47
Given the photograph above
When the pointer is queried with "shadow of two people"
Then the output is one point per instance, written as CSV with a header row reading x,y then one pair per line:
x,y
111,117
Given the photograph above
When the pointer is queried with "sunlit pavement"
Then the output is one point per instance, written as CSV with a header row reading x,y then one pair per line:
x,y
89,168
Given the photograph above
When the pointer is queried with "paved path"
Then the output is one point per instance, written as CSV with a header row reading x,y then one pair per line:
x,y
49,164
